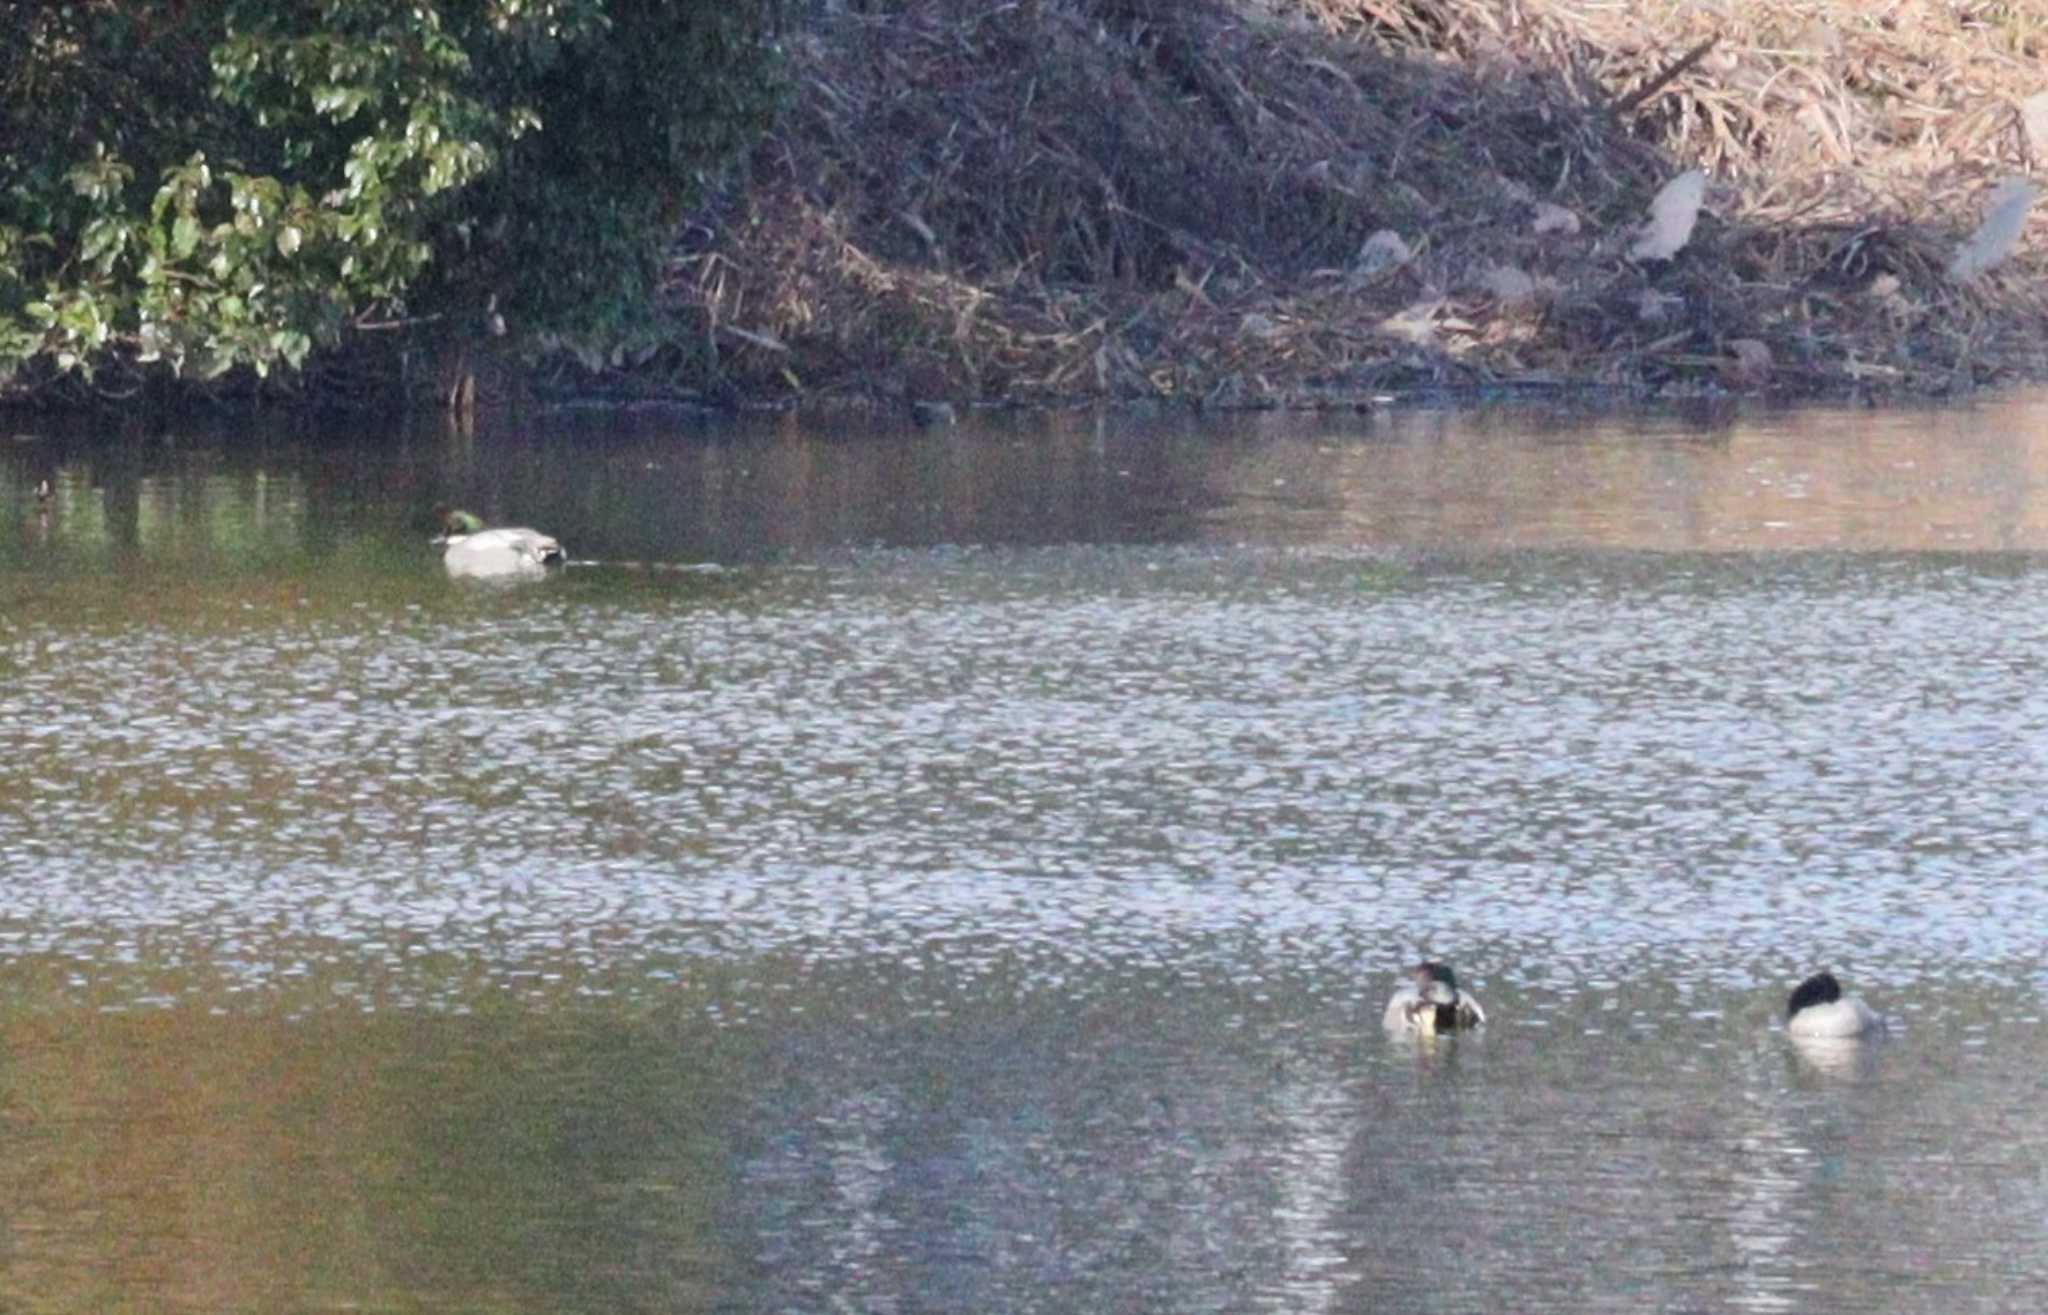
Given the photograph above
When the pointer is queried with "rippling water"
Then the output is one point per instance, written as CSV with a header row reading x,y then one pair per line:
x,y
973,882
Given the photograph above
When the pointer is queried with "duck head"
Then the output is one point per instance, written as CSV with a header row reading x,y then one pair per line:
x,y
1819,989
1435,982
1430,1002
455,523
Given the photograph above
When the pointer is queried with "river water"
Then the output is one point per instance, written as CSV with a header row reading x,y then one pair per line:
x,y
962,870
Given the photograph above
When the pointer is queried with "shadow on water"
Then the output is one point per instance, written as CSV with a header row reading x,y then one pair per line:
x,y
649,489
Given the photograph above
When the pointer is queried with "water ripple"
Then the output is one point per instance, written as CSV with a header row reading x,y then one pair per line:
x,y
1076,756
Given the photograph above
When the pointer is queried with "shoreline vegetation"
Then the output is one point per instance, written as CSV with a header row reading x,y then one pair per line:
x,y
1254,204
1302,203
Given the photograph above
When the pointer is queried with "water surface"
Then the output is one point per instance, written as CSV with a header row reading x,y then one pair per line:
x,y
962,870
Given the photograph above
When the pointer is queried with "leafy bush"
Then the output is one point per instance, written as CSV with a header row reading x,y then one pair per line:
x,y
227,183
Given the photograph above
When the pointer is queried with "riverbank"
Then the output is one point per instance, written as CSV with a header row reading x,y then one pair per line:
x,y
1243,203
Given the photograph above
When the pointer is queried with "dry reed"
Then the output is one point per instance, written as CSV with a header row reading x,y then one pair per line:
x,y
1043,200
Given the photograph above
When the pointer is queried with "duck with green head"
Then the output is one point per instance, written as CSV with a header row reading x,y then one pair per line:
x,y
1430,1002
507,552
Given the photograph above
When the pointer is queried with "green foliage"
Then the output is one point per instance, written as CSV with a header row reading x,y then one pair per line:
x,y
227,183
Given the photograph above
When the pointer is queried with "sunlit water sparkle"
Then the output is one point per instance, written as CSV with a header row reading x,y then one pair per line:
x,y
900,919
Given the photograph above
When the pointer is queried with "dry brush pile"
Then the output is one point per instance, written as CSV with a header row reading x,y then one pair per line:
x,y
1296,202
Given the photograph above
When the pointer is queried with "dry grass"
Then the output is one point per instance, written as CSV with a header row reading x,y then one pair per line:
x,y
1054,199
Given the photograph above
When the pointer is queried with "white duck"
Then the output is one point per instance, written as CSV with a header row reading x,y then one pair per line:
x,y
1818,1009
504,553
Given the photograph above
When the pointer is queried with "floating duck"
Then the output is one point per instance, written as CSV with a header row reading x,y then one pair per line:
x,y
1818,1009
1430,1002
504,553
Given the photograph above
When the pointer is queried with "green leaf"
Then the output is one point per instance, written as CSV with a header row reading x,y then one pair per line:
x,y
103,241
292,346
414,151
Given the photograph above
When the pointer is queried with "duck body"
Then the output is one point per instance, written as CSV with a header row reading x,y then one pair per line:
x,y
1430,1002
1819,1010
505,552
508,552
